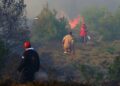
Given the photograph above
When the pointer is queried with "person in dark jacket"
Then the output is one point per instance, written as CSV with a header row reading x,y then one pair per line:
x,y
29,65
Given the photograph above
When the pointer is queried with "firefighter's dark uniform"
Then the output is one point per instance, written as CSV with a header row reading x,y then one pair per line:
x,y
29,65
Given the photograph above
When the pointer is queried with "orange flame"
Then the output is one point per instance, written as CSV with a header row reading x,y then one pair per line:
x,y
74,22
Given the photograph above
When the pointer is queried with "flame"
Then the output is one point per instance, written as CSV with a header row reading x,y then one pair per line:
x,y
74,22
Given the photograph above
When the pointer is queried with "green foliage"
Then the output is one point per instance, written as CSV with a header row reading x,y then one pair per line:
x,y
114,69
90,73
110,50
48,27
104,22
2,49
13,27
87,71
3,52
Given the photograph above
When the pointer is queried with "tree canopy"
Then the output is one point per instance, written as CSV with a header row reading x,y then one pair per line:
x,y
13,22
48,26
104,22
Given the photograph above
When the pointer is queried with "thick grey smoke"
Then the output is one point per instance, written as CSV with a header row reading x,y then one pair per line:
x,y
70,7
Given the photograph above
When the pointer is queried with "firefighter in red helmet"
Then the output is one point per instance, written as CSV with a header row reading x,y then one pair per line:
x,y
27,44
30,63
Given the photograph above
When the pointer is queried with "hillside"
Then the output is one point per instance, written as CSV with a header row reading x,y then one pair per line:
x,y
89,64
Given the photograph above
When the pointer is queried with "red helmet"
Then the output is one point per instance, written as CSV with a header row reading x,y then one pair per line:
x,y
27,44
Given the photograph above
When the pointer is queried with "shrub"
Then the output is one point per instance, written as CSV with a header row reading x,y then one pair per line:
x,y
114,69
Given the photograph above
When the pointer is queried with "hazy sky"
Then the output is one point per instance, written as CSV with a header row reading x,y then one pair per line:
x,y
70,7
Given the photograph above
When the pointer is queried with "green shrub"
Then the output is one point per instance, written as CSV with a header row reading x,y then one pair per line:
x,y
114,69
111,50
3,52
47,27
91,74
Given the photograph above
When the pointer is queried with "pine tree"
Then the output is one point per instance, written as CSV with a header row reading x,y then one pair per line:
x,y
47,27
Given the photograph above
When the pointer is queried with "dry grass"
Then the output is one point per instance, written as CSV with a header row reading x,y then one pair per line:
x,y
53,83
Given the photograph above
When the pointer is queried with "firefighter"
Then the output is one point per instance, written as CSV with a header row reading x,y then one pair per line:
x,y
83,34
68,43
29,65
